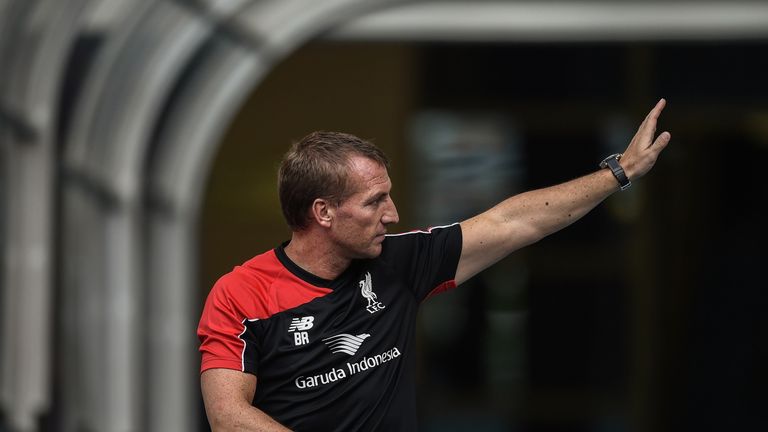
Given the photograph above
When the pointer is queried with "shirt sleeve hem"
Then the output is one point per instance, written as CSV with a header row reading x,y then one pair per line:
x,y
443,287
219,363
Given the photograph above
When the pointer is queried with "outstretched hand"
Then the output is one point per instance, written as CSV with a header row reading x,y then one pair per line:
x,y
643,150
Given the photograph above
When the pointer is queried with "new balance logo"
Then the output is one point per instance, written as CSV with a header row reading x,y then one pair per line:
x,y
301,324
345,343
366,290
299,327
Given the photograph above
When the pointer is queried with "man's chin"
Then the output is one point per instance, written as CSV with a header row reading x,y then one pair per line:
x,y
372,252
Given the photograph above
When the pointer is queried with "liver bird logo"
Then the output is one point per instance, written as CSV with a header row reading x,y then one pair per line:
x,y
366,290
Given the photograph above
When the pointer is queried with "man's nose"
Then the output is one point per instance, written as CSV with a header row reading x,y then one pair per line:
x,y
390,215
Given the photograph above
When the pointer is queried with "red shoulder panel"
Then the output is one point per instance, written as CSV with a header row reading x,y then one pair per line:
x,y
258,289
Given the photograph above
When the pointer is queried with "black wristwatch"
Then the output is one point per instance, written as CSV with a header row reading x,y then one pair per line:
x,y
612,162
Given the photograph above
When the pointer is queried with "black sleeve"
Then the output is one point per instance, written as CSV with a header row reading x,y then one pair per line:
x,y
426,260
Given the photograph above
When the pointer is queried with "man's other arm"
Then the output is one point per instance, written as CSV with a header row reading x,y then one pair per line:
x,y
528,217
227,395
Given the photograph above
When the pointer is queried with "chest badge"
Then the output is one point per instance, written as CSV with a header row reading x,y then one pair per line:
x,y
366,289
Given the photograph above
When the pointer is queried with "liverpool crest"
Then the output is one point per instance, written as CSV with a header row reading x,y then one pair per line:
x,y
366,289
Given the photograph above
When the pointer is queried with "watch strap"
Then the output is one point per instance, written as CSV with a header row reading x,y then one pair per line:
x,y
612,162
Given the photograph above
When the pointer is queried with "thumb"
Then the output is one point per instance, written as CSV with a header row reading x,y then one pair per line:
x,y
661,141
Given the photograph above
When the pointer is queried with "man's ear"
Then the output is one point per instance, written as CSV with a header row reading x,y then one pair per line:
x,y
323,212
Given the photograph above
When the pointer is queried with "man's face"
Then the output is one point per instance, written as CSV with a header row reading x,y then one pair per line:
x,y
361,220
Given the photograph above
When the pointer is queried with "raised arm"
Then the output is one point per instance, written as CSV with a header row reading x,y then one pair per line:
x,y
528,217
227,395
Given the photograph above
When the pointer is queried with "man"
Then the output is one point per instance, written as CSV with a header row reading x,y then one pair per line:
x,y
318,334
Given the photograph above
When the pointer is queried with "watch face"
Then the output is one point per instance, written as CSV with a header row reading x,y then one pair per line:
x,y
613,157
604,162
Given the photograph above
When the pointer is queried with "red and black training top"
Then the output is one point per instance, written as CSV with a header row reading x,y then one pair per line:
x,y
330,355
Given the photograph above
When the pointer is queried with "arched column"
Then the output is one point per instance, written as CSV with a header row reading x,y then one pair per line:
x,y
35,39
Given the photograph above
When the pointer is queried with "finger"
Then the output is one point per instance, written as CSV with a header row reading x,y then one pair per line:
x,y
656,111
649,123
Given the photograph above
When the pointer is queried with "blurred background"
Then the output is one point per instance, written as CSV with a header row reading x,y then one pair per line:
x,y
139,142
